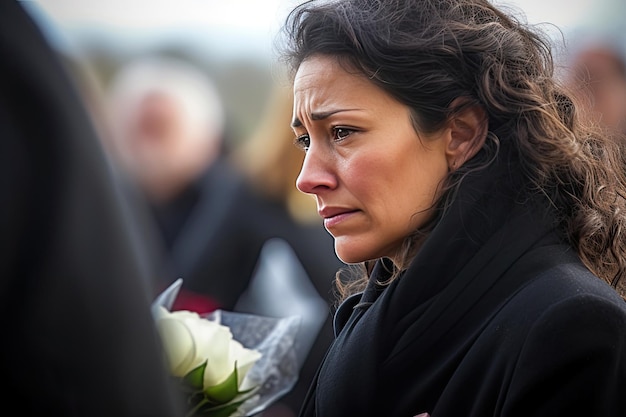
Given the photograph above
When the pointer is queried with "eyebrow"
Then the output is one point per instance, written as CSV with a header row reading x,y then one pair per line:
x,y
319,116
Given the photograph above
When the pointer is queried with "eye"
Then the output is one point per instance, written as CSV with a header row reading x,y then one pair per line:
x,y
341,133
303,142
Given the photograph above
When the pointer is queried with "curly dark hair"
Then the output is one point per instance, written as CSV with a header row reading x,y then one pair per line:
x,y
427,53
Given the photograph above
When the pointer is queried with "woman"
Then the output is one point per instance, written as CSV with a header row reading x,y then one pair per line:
x,y
447,161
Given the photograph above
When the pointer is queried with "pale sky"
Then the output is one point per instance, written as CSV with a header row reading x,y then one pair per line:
x,y
245,15
248,26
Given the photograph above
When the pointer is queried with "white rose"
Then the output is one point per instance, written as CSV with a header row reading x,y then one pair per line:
x,y
189,340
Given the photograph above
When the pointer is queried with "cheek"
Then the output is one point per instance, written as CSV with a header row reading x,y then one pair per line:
x,y
365,177
418,185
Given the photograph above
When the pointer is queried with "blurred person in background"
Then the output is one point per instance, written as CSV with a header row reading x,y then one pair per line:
x,y
597,73
271,162
78,336
168,127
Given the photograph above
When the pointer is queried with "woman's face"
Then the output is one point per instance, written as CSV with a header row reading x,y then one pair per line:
x,y
375,180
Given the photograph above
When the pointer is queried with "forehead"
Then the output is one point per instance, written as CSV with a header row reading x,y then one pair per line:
x,y
322,83
320,72
316,66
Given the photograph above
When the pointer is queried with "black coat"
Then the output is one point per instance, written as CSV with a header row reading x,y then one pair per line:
x,y
77,335
496,316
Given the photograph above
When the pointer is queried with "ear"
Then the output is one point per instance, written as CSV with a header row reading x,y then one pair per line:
x,y
467,134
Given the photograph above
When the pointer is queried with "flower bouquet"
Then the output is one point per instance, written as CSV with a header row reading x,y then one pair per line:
x,y
227,364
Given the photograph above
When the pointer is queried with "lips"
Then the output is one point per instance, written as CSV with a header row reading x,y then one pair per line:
x,y
327,212
335,215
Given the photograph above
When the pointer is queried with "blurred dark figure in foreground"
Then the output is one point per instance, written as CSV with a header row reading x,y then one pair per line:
x,y
598,74
78,337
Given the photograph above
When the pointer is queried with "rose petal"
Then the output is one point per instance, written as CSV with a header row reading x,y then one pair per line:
x,y
217,350
244,357
191,340
178,344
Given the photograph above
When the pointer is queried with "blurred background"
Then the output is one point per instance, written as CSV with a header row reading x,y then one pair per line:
x,y
233,40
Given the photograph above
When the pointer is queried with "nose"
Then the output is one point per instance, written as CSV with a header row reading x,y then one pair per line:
x,y
317,172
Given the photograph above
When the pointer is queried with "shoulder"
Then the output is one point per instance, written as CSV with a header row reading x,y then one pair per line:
x,y
560,309
568,285
568,313
571,329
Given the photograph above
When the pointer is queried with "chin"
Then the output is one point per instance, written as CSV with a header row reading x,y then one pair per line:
x,y
348,254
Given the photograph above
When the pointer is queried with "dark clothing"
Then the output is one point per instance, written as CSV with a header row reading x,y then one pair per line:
x,y
208,239
214,232
77,334
494,317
